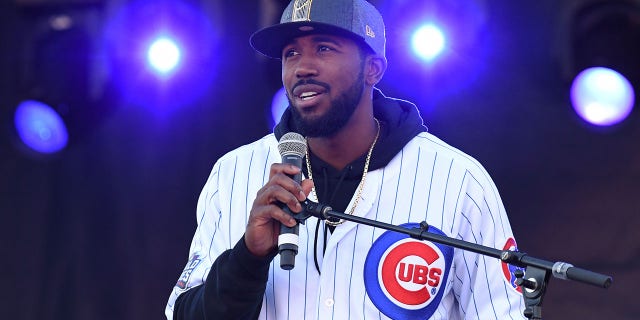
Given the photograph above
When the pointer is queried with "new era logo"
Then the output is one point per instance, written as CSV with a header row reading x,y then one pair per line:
x,y
369,31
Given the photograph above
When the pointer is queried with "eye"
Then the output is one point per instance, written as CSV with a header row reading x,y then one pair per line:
x,y
322,48
290,52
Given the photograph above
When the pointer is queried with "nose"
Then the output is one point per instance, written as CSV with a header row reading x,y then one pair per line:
x,y
306,67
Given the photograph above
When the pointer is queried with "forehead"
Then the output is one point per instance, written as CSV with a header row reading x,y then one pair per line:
x,y
321,37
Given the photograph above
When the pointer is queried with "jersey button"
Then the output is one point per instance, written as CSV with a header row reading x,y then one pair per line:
x,y
329,302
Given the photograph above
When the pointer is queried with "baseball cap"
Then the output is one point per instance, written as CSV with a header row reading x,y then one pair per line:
x,y
356,19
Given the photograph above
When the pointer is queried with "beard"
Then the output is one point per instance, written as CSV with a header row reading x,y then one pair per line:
x,y
336,117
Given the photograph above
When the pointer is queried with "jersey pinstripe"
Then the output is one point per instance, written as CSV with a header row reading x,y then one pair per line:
x,y
427,181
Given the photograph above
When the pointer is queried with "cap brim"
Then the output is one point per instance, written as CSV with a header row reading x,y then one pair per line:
x,y
271,40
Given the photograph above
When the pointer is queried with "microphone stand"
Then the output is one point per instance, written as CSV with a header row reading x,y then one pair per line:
x,y
533,281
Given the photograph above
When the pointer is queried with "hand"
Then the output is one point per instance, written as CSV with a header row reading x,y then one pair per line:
x,y
263,228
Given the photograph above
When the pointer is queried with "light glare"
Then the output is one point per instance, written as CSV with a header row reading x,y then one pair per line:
x,y
164,55
428,42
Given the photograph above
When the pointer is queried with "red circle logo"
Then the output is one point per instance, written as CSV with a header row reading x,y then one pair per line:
x,y
508,271
410,273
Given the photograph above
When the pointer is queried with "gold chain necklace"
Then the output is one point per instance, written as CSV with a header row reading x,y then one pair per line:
x,y
360,186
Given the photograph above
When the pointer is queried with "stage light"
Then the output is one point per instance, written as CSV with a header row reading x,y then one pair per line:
x,y
279,103
603,64
602,96
164,55
168,61
434,44
428,42
40,127
61,94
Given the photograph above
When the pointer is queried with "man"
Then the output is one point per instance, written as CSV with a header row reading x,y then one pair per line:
x,y
367,155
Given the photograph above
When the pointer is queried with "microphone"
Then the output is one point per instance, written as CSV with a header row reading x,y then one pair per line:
x,y
292,147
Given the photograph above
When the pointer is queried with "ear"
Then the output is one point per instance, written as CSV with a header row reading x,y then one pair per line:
x,y
374,69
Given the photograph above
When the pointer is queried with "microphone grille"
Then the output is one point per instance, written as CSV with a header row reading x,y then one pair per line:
x,y
292,143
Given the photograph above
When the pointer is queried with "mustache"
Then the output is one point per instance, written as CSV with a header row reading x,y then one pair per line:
x,y
311,81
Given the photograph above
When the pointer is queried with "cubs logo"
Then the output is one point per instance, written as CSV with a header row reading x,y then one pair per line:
x,y
188,270
508,270
405,277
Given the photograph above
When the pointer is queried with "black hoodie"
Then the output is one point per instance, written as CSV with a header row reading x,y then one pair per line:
x,y
237,280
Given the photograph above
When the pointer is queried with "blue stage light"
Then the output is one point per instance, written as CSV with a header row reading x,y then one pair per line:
x,y
428,42
602,96
164,55
166,62
435,48
40,127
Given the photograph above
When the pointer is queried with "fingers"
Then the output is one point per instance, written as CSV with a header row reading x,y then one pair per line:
x,y
274,204
281,174
262,215
281,191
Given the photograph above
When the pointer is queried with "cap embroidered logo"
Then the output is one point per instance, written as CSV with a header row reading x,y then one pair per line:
x,y
369,32
301,10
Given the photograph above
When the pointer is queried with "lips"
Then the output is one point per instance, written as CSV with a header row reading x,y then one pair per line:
x,y
307,95
306,92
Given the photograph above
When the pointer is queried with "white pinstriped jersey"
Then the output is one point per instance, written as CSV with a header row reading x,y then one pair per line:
x,y
426,181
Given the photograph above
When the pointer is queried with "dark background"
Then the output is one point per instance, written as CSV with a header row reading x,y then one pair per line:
x,y
102,229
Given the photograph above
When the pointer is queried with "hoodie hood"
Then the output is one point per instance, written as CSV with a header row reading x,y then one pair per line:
x,y
400,122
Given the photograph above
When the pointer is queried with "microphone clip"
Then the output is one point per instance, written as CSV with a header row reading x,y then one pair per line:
x,y
312,209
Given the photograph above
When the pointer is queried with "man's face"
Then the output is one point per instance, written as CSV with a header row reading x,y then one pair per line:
x,y
324,81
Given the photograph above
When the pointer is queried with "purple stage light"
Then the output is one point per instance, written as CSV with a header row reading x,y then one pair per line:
x,y
40,127
279,103
602,96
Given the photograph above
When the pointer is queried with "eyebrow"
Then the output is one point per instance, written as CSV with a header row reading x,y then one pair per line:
x,y
322,38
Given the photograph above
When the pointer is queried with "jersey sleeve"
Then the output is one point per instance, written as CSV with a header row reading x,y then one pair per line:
x,y
220,279
484,285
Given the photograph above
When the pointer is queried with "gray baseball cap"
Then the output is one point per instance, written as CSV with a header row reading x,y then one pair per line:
x,y
357,19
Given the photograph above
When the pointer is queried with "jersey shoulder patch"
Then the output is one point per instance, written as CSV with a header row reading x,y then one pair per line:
x,y
193,263
509,271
